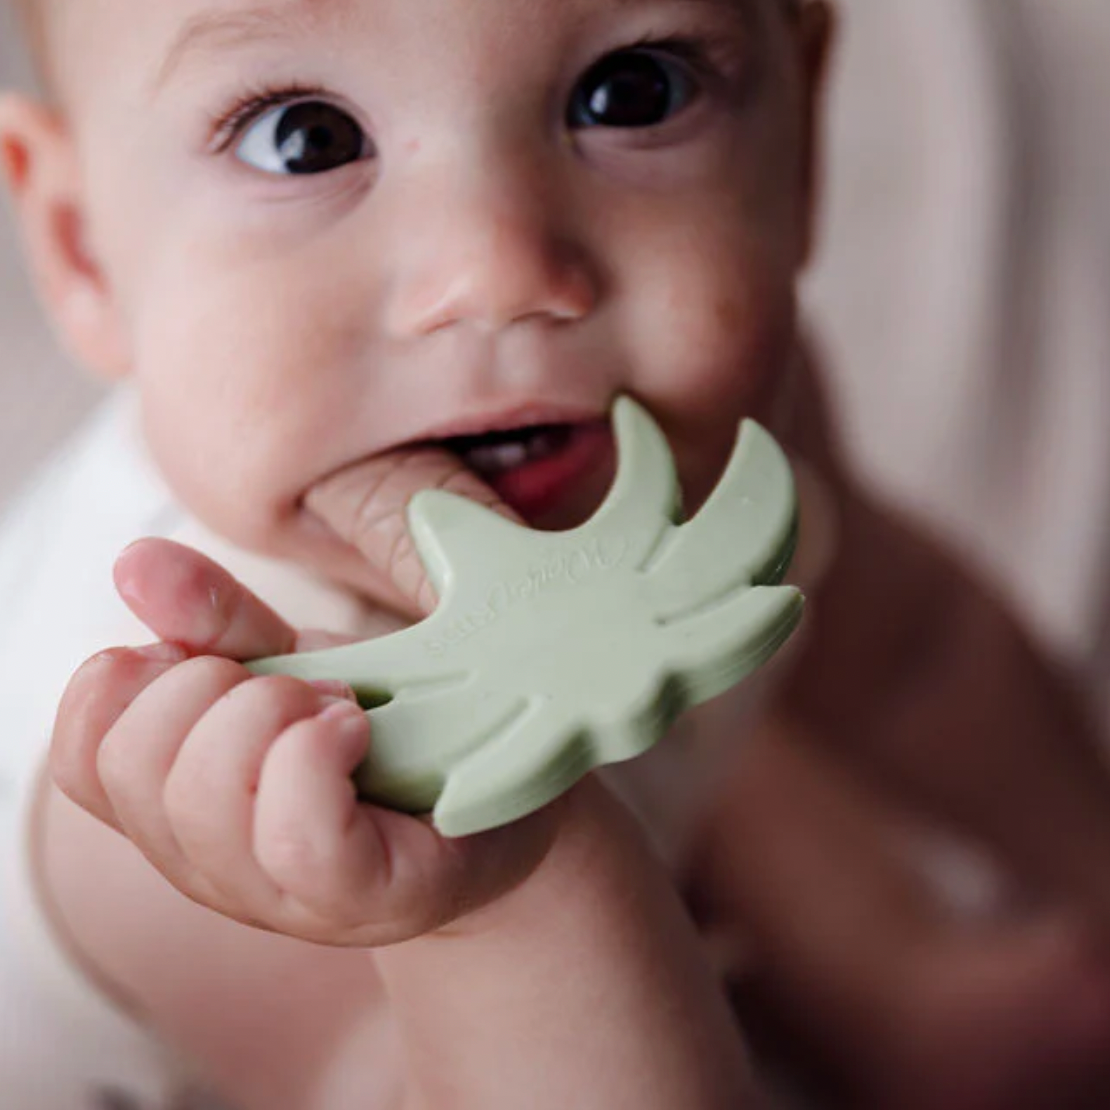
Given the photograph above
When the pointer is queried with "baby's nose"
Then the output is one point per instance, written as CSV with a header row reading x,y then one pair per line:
x,y
492,253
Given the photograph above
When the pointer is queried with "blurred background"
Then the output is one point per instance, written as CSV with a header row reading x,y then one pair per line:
x,y
963,289
961,293
41,396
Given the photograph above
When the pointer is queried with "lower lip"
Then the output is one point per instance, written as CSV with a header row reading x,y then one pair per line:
x,y
538,488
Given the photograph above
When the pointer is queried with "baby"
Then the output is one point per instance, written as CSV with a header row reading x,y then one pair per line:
x,y
345,251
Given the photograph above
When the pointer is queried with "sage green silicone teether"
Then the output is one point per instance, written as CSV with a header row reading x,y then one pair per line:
x,y
551,654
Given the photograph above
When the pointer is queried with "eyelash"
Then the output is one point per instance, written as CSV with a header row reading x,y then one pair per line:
x,y
227,127
697,53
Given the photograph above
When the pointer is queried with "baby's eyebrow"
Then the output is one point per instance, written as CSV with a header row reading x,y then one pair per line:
x,y
221,29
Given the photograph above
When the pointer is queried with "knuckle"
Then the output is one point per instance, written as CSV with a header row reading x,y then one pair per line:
x,y
106,660
287,855
98,673
285,696
273,700
212,677
279,686
217,670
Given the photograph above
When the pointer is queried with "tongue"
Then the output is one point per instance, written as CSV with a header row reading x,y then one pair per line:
x,y
562,484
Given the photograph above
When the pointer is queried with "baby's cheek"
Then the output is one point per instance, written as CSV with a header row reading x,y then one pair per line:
x,y
237,414
717,349
208,461
719,353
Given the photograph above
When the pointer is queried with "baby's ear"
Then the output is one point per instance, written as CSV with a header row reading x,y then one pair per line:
x,y
38,162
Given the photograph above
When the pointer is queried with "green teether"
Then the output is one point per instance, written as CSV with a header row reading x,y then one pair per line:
x,y
551,654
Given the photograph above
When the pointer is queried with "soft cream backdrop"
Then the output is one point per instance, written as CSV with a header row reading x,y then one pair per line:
x,y
964,289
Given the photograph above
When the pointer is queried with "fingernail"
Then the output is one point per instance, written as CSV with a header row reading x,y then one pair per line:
x,y
163,653
334,689
346,715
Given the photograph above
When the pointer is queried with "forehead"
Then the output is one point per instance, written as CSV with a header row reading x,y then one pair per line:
x,y
201,22
143,43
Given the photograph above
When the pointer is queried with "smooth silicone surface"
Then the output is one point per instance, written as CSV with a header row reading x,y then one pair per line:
x,y
551,654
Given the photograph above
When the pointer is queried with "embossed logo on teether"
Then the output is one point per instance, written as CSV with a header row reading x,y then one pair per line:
x,y
559,570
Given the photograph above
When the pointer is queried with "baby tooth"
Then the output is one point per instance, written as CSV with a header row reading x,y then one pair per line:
x,y
494,458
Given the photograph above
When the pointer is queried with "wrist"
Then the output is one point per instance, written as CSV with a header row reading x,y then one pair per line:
x,y
564,841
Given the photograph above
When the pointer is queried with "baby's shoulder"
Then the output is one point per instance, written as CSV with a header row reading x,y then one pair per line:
x,y
58,541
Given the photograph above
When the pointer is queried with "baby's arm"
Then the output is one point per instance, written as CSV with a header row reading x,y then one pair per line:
x,y
919,671
581,986
914,668
585,987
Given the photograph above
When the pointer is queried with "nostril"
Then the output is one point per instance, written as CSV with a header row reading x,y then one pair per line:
x,y
509,279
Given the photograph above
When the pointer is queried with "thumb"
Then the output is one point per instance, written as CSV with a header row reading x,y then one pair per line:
x,y
366,507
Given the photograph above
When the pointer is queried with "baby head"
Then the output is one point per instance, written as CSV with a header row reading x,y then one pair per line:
x,y
313,231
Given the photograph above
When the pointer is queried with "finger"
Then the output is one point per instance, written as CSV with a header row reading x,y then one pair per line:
x,y
137,755
365,506
95,699
211,789
386,876
184,597
311,835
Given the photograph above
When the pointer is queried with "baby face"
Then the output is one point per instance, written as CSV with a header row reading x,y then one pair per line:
x,y
327,230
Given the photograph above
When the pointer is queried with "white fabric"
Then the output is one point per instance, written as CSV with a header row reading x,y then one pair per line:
x,y
62,1045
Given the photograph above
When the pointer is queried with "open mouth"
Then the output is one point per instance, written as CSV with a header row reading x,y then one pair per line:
x,y
540,468
492,455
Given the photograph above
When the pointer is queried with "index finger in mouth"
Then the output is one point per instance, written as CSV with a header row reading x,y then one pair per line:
x,y
366,505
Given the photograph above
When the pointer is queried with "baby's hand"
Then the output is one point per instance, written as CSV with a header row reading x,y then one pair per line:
x,y
238,788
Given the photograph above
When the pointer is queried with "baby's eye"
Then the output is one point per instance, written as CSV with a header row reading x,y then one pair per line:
x,y
308,137
632,88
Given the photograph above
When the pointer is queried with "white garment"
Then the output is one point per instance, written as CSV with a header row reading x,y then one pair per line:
x,y
63,1045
